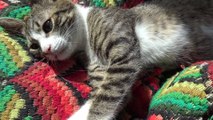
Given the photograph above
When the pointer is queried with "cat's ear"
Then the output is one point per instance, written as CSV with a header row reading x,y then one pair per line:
x,y
65,5
12,25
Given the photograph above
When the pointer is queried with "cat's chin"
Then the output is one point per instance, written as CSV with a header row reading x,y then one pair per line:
x,y
59,57
63,56
56,58
51,57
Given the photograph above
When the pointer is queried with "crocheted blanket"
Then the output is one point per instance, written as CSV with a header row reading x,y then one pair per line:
x,y
188,95
34,89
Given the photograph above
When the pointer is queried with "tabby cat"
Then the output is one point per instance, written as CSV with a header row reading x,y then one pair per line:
x,y
120,43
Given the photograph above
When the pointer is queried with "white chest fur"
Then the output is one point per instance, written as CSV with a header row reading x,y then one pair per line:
x,y
84,11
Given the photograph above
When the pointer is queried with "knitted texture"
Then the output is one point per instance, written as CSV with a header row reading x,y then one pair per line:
x,y
47,93
187,95
38,90
20,12
13,56
3,5
109,3
31,89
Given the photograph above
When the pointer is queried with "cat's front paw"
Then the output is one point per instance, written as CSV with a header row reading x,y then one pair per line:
x,y
82,113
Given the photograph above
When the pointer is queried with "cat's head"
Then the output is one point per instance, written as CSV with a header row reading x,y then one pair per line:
x,y
51,28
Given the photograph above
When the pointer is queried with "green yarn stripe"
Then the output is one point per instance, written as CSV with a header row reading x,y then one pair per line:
x,y
104,3
28,118
20,12
7,65
181,104
194,75
191,75
6,11
182,100
98,3
1,29
5,96
181,110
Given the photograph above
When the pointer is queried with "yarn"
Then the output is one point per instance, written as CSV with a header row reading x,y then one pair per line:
x,y
109,3
20,12
13,56
1,29
187,95
31,89
3,5
53,96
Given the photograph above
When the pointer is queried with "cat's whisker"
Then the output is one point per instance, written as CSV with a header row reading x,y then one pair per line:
x,y
67,27
67,30
70,31
42,60
67,34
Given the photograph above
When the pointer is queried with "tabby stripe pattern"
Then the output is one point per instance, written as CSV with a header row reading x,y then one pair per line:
x,y
111,81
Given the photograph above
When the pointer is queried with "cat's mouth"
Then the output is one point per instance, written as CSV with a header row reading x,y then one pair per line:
x,y
55,56
51,57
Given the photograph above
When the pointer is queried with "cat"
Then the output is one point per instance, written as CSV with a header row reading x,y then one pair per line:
x,y
119,43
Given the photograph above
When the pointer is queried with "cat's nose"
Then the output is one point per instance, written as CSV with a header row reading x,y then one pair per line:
x,y
48,50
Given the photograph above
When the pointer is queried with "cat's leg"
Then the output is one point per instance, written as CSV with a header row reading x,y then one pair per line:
x,y
118,78
106,100
96,74
115,81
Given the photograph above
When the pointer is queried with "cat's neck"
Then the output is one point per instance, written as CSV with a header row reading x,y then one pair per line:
x,y
83,11
83,14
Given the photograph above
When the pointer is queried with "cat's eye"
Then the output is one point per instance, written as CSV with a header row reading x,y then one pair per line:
x,y
47,26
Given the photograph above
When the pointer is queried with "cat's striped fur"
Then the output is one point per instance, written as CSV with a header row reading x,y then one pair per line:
x,y
121,43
